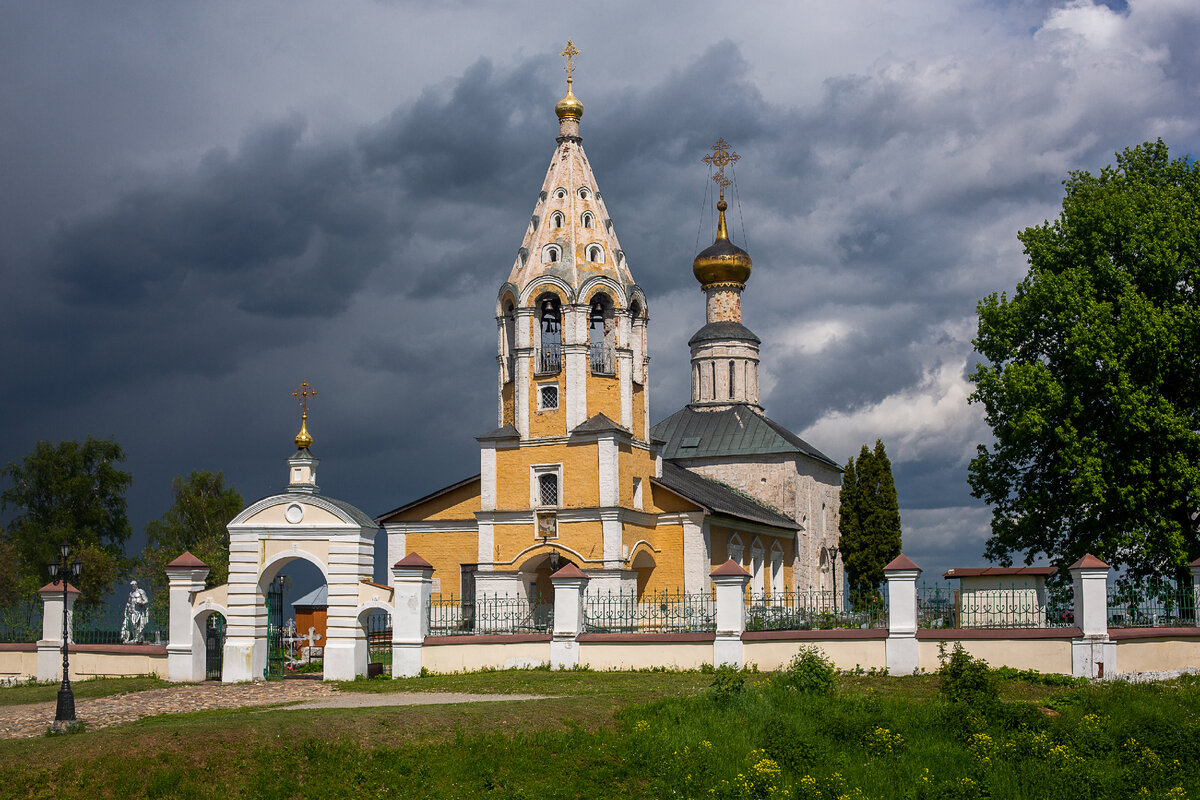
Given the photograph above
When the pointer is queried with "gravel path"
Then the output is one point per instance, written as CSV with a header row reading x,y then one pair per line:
x,y
102,712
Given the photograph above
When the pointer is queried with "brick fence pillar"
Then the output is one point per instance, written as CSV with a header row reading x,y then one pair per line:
x,y
569,585
1093,655
412,577
730,581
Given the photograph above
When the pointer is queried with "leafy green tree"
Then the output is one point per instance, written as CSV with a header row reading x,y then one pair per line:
x,y
67,492
869,523
195,522
1093,386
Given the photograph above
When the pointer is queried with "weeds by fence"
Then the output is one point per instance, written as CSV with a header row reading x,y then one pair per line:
x,y
815,610
21,622
658,612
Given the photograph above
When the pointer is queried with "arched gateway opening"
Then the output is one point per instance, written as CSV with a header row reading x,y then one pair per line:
x,y
299,525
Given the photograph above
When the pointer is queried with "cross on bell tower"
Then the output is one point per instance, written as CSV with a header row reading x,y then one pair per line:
x,y
302,467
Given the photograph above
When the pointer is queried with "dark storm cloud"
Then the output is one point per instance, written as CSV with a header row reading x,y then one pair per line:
x,y
281,228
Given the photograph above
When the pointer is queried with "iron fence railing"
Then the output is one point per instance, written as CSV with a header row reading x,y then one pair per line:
x,y
815,610
658,612
1012,606
1151,603
547,360
602,358
378,626
454,616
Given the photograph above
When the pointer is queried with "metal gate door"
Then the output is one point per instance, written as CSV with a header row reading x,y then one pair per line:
x,y
275,651
214,647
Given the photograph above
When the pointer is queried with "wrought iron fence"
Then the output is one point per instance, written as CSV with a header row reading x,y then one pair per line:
x,y
602,358
815,610
658,612
547,360
1013,606
1151,603
455,616
103,626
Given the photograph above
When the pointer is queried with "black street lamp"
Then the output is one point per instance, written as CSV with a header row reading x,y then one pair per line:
x,y
833,554
65,714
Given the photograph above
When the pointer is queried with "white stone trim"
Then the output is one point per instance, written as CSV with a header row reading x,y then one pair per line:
x,y
608,470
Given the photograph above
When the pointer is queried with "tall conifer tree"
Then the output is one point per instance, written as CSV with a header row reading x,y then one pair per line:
x,y
870,518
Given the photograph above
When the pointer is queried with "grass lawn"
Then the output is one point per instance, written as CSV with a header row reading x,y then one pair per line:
x,y
647,735
47,691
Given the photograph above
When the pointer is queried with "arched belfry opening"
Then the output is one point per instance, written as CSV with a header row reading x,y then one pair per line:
x,y
602,335
548,360
510,340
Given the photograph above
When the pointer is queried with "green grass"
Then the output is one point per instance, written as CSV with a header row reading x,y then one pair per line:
x,y
47,691
647,735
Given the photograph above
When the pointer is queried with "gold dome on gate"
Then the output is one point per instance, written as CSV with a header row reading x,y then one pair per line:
x,y
723,262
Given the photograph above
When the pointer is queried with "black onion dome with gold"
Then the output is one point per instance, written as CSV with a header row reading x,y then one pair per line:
x,y
722,262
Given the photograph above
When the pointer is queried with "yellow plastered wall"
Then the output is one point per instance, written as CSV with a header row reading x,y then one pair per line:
x,y
548,423
639,411
634,462
509,540
719,537
663,501
667,541
460,504
603,396
507,403
446,551
580,466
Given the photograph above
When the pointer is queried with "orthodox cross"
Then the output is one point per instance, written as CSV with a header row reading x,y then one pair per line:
x,y
569,52
302,394
720,158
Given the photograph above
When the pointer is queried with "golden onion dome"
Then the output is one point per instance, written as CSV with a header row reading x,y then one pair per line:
x,y
303,439
569,106
723,262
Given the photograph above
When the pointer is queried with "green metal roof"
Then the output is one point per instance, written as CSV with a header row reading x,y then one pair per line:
x,y
735,431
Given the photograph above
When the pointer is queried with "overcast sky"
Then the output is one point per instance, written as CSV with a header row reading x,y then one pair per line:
x,y
203,204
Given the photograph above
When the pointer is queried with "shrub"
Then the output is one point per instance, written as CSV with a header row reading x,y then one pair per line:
x,y
968,680
728,683
810,671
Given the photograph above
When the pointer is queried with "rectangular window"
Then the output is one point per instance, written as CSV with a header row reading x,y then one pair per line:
x,y
548,489
545,486
547,396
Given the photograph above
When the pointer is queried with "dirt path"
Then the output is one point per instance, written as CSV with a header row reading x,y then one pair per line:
x,y
102,712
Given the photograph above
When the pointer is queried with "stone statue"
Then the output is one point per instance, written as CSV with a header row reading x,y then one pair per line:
x,y
136,615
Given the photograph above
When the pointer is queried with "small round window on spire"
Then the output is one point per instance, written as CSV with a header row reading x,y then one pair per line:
x,y
595,253
583,193
588,220
551,254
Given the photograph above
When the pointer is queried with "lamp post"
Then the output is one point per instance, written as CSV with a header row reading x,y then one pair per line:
x,y
833,554
65,713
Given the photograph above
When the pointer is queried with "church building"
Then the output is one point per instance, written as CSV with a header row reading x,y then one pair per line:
x,y
574,471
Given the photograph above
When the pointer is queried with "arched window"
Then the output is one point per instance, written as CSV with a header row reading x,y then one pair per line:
x,y
601,330
595,253
756,568
556,219
776,571
560,193
735,548
549,352
583,193
510,341
551,254
588,219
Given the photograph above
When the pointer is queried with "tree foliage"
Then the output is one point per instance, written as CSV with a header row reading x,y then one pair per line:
x,y
1093,386
66,492
870,518
203,505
